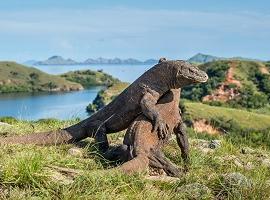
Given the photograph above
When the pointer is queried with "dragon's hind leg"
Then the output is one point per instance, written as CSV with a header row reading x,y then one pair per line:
x,y
137,164
182,140
158,160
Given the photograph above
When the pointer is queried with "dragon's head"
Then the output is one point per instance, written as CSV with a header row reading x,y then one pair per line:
x,y
185,72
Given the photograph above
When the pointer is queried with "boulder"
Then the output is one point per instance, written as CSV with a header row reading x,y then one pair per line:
x,y
214,144
237,180
247,150
76,152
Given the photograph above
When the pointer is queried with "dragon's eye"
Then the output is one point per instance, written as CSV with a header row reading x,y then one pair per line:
x,y
191,70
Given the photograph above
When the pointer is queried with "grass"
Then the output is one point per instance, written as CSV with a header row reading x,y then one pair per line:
x,y
26,173
245,119
19,78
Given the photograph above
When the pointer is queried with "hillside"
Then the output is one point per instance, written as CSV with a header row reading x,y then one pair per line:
x,y
233,83
18,78
89,78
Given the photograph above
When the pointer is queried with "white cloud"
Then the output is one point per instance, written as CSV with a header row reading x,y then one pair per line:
x,y
127,21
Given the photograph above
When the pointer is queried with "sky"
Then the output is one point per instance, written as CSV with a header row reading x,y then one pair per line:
x,y
142,29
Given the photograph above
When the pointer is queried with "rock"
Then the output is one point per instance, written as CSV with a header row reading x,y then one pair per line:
x,y
247,150
206,150
249,166
57,177
206,146
4,124
167,179
202,145
77,152
266,162
228,157
194,191
238,163
214,144
236,180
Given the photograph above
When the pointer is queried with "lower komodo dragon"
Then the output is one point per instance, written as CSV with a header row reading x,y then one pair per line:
x,y
142,148
140,97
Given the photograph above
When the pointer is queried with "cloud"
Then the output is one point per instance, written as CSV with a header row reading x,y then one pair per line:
x,y
125,21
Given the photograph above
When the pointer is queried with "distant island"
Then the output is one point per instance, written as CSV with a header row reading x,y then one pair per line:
x,y
58,60
204,58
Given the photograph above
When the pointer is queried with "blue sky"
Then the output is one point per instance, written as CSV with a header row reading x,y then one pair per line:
x,y
37,29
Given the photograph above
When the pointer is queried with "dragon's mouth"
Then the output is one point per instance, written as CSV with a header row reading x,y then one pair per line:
x,y
198,77
203,78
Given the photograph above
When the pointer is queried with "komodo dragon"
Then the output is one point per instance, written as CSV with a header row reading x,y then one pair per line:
x,y
140,97
141,148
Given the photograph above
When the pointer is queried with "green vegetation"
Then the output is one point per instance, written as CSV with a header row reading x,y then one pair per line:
x,y
245,119
51,172
18,78
253,93
106,96
89,78
239,125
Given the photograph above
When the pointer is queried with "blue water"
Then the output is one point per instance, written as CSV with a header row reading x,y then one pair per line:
x,y
127,73
62,105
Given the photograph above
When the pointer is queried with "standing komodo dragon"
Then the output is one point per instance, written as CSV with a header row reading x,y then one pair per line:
x,y
142,148
140,97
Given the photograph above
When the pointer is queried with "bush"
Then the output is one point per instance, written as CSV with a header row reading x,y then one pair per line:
x,y
249,98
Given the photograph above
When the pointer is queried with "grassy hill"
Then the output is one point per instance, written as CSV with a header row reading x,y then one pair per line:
x,y
18,78
244,118
88,78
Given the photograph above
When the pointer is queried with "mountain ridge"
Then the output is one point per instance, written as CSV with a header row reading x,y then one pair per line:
x,y
197,58
204,58
58,60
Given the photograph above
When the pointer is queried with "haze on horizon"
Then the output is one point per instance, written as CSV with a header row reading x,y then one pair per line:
x,y
81,29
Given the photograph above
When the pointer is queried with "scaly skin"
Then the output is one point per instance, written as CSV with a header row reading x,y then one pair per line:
x,y
140,97
142,147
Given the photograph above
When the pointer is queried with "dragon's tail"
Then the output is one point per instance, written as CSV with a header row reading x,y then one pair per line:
x,y
71,134
45,138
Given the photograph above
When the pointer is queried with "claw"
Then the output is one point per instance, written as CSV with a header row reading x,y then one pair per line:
x,y
161,128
